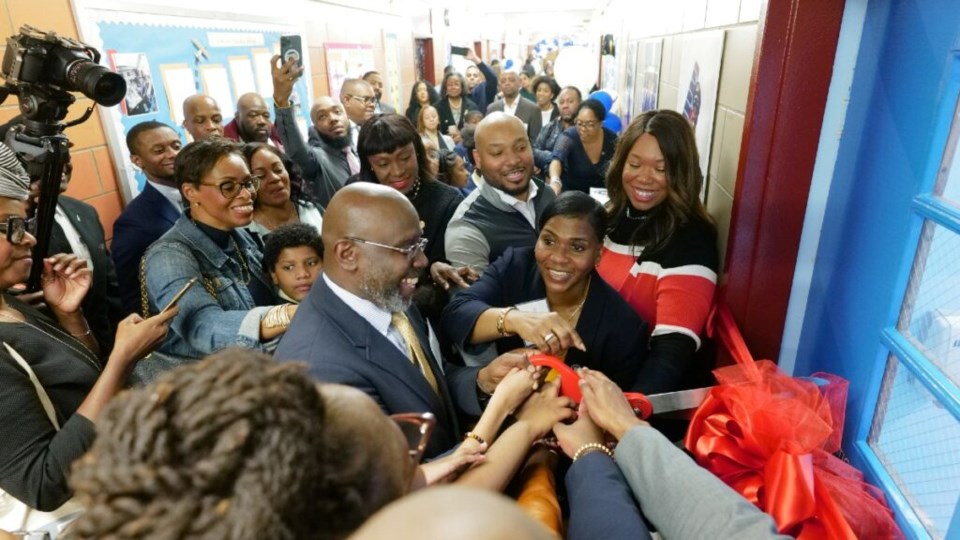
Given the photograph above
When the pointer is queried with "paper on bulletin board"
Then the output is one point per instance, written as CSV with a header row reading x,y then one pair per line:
x,y
216,84
241,71
261,70
391,61
347,61
179,85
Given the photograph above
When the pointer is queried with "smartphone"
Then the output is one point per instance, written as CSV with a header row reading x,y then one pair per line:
x,y
176,298
290,47
459,51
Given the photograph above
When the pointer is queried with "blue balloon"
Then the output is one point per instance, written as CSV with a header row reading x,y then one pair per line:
x,y
613,123
603,98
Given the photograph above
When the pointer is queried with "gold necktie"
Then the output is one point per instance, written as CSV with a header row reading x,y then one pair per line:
x,y
417,356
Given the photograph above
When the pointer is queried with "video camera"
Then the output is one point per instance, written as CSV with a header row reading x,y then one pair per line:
x,y
44,58
42,69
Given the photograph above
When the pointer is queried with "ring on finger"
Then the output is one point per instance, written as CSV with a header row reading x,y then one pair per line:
x,y
549,336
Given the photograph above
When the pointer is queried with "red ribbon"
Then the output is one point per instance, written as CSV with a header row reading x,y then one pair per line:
x,y
768,436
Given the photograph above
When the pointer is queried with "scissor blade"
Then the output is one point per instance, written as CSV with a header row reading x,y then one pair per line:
x,y
683,400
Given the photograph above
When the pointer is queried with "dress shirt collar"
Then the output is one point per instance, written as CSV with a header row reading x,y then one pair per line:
x,y
170,193
378,318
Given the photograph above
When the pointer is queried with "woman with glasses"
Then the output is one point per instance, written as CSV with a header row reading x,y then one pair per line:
x,y
661,249
454,105
551,297
283,196
392,153
235,302
583,152
421,95
52,359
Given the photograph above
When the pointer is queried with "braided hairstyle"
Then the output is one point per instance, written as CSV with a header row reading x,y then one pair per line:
x,y
230,447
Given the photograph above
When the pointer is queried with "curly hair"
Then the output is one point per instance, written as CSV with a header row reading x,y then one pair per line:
x,y
299,187
547,80
230,447
289,235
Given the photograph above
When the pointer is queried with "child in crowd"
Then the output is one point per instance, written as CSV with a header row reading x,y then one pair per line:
x,y
293,255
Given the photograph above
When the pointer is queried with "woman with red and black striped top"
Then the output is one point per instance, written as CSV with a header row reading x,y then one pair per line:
x,y
661,250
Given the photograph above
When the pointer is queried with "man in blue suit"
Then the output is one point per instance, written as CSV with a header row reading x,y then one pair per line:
x,y
358,325
153,148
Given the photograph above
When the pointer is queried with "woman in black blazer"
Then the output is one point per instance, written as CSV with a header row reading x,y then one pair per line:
x,y
551,297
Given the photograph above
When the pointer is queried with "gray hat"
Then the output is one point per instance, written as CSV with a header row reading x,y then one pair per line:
x,y
14,182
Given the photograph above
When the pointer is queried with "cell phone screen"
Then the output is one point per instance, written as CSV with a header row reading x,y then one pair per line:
x,y
459,51
290,47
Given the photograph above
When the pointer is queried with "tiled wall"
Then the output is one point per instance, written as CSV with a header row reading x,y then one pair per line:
x,y
673,22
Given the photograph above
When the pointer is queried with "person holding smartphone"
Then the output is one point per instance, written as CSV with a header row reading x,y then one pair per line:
x,y
236,304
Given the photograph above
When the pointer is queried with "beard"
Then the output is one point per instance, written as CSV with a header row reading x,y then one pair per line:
x,y
384,291
337,142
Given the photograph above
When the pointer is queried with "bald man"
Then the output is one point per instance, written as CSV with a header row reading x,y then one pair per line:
x,y
360,102
359,327
202,117
329,160
503,212
252,122
453,513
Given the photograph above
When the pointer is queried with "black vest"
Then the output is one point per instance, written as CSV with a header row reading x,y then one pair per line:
x,y
503,229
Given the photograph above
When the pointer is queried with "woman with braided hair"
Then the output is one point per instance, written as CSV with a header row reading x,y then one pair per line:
x,y
238,446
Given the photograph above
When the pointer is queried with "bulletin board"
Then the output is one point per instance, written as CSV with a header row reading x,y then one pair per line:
x,y
166,58
347,61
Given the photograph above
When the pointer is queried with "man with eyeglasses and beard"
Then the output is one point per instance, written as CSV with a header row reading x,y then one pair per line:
x,y
358,327
329,159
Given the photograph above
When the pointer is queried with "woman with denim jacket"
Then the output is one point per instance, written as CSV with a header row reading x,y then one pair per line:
x,y
234,304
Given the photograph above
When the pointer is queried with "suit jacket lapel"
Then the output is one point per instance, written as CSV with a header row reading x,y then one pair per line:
x,y
167,211
378,349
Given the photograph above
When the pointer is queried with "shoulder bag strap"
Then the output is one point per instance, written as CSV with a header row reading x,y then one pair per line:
x,y
41,393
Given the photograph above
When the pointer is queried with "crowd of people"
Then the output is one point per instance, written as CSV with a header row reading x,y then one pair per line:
x,y
312,328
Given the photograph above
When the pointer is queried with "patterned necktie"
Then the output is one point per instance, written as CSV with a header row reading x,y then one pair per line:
x,y
352,160
415,352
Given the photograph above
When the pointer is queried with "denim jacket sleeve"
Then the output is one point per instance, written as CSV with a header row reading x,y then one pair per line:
x,y
214,314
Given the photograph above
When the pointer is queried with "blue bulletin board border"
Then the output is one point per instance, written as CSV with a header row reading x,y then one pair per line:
x,y
221,54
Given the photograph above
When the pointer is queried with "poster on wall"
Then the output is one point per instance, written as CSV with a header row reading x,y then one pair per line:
x,y
347,61
608,63
629,84
167,58
391,48
700,57
140,98
648,75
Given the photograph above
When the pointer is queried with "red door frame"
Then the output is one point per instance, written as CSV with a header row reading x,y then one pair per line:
x,y
792,69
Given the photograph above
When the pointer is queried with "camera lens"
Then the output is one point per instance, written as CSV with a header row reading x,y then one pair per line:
x,y
97,82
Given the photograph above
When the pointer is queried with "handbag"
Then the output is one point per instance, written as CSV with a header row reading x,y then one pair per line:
x,y
17,516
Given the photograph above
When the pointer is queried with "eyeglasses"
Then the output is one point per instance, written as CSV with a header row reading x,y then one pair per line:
x,y
586,125
416,427
365,100
231,189
16,228
410,251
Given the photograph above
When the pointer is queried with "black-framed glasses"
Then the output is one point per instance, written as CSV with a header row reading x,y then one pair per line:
x,y
365,100
586,125
410,251
231,189
416,427
16,228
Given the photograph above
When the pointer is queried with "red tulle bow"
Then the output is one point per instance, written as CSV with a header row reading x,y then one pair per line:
x,y
770,437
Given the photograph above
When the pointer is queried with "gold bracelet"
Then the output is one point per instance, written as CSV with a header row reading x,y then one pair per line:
x,y
474,436
277,316
591,447
502,318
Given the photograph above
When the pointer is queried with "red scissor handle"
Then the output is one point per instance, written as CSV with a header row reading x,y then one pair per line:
x,y
570,384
